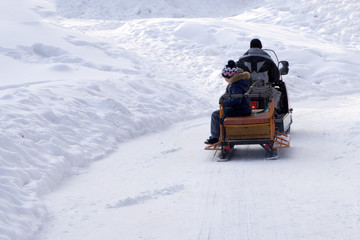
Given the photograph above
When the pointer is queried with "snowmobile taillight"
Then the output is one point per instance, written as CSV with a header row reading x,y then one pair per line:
x,y
254,104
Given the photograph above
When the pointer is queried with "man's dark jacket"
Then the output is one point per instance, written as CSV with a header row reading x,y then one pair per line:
x,y
260,65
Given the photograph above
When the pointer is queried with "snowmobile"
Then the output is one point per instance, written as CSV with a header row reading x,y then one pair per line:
x,y
268,125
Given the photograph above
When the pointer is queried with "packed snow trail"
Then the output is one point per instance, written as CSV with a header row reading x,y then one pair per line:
x,y
165,186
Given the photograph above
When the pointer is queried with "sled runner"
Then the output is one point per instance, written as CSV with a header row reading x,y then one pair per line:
x,y
267,126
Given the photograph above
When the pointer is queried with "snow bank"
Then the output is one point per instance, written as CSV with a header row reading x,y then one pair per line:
x,y
52,130
125,10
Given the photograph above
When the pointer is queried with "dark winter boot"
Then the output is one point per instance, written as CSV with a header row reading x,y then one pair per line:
x,y
211,140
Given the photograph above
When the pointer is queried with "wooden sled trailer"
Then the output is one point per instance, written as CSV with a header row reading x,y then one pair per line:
x,y
264,127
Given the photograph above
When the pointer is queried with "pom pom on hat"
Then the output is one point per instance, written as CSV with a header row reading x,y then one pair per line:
x,y
231,64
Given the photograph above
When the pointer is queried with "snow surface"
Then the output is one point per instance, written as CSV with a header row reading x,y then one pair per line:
x,y
105,106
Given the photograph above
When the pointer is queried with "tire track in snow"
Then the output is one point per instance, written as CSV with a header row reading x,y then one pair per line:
x,y
275,205
226,213
260,206
210,200
240,178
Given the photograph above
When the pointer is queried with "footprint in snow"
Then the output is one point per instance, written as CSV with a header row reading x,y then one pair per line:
x,y
146,196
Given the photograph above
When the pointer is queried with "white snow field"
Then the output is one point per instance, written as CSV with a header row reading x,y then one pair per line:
x,y
105,105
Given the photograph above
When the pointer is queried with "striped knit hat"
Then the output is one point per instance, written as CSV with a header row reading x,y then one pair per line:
x,y
229,70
